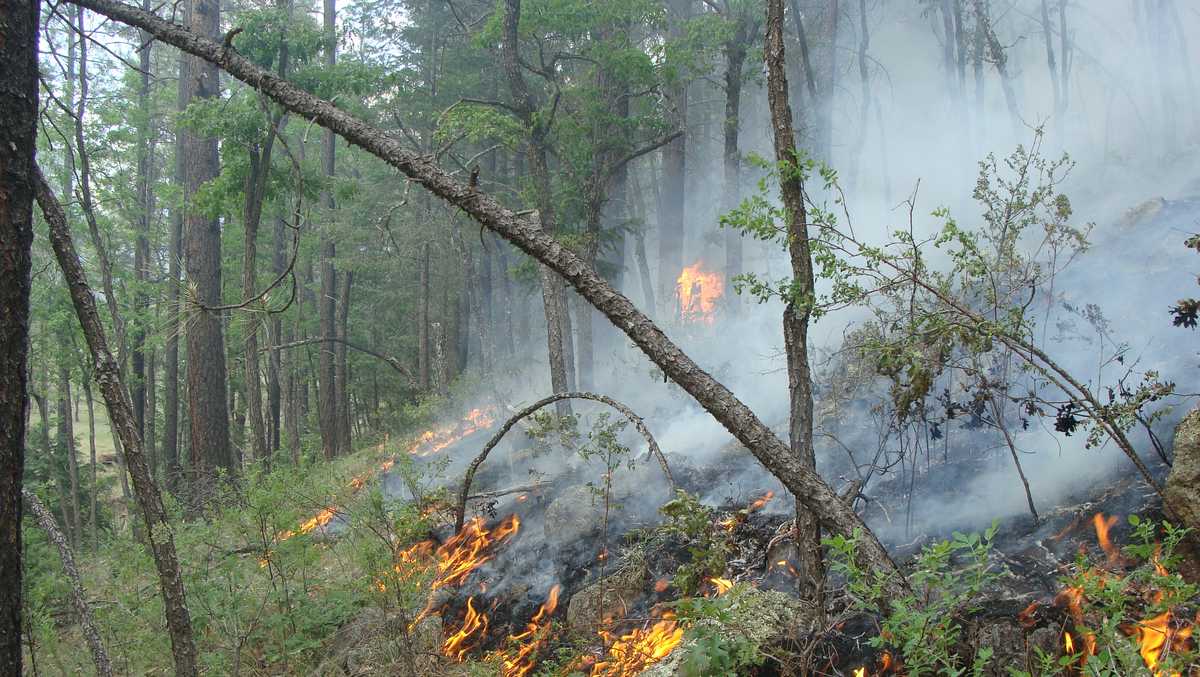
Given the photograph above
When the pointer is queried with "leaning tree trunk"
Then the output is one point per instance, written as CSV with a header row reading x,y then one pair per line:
x,y
19,110
799,308
86,622
120,415
834,513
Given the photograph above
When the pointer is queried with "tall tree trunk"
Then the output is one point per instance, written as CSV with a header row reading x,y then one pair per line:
x,y
672,205
864,104
553,296
1049,40
799,308
66,445
423,292
141,249
120,415
151,439
275,358
735,62
327,406
208,414
95,492
256,194
342,376
170,444
19,111
833,513
999,60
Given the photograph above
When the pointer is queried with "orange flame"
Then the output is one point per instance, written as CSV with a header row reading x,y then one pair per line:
x,y
698,291
474,627
523,660
638,649
475,420
469,549
433,441
1103,525
860,672
760,503
721,585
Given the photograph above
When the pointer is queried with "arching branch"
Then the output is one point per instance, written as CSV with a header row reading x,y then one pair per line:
x,y
637,421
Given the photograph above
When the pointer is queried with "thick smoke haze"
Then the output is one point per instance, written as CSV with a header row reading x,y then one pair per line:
x,y
1127,119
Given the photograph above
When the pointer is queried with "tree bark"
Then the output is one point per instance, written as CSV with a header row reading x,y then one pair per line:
x,y
999,60
799,308
673,198
275,359
120,414
1049,40
423,352
141,249
735,63
327,404
170,444
66,444
94,494
342,371
207,379
833,513
19,110
86,621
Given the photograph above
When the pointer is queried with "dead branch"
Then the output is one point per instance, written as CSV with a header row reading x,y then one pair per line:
x,y
46,521
527,411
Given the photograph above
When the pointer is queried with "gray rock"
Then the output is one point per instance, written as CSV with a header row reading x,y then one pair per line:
x,y
610,597
574,514
1182,491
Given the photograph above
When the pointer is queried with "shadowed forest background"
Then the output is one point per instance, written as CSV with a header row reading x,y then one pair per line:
x,y
621,337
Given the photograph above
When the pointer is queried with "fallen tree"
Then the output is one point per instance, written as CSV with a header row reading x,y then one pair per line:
x,y
817,496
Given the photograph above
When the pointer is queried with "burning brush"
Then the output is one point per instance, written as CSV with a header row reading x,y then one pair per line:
x,y
1099,594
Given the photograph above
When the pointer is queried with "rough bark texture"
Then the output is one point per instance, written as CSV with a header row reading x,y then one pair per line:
x,y
798,311
46,521
529,237
208,415
18,109
327,404
120,414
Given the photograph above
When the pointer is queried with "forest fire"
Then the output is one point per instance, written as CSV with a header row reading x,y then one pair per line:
x,y
699,291
470,549
1155,636
523,659
473,630
429,442
638,649
433,441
